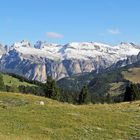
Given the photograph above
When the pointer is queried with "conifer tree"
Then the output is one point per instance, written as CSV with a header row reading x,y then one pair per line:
x,y
2,87
83,95
131,93
51,89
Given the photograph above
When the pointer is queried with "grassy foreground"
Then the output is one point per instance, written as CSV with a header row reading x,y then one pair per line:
x,y
23,118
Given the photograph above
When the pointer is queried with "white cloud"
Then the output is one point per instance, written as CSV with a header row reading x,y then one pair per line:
x,y
54,35
114,31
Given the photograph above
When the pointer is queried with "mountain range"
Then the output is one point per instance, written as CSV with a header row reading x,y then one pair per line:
x,y
37,61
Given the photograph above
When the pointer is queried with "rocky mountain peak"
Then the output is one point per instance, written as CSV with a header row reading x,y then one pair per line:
x,y
23,43
37,61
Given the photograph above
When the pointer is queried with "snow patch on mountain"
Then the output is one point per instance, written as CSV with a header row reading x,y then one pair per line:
x,y
75,50
37,61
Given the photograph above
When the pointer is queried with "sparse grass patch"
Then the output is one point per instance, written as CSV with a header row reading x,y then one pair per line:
x,y
132,75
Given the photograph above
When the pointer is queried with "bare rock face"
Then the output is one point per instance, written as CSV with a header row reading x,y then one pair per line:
x,y
56,69
130,60
3,49
40,72
16,64
36,62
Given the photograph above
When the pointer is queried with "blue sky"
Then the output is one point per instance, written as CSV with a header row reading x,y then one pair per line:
x,y
63,21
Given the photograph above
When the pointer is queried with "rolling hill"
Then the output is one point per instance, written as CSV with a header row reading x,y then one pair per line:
x,y
15,83
132,74
11,80
23,118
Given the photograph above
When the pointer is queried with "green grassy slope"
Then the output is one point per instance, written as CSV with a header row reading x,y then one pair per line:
x,y
23,118
132,74
10,81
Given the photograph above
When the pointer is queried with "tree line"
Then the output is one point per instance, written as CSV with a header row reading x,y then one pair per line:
x,y
51,90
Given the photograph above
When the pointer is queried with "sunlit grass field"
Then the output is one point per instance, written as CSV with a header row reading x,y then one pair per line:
x,y
132,75
23,118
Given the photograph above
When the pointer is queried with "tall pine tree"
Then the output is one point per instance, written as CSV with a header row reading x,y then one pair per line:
x,y
51,89
2,86
131,93
83,95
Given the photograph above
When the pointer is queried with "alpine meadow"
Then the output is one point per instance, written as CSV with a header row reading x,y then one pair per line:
x,y
70,70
